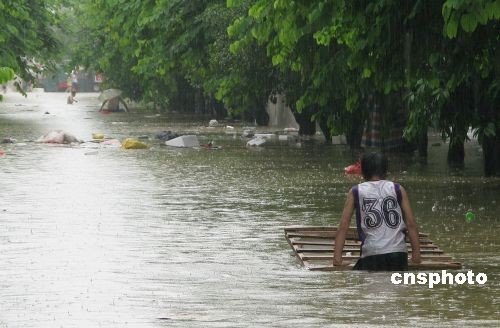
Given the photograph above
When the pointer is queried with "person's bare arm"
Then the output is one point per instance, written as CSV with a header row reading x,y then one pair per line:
x,y
411,226
343,228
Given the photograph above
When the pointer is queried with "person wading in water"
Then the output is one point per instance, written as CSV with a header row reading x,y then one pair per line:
x,y
383,218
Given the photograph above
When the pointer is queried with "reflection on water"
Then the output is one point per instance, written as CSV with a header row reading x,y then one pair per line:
x,y
193,238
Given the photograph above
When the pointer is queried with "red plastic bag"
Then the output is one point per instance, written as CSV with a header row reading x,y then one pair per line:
x,y
353,168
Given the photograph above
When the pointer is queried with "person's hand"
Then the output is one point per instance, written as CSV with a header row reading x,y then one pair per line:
x,y
416,259
339,262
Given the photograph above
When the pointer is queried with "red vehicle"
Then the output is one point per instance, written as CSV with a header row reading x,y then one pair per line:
x,y
62,86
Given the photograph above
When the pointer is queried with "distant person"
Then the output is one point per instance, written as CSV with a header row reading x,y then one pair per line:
x,y
72,87
71,99
74,82
69,82
384,218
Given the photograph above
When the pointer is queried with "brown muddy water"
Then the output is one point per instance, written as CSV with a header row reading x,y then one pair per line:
x,y
104,237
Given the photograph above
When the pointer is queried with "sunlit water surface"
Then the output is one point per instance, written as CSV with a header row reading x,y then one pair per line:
x,y
104,237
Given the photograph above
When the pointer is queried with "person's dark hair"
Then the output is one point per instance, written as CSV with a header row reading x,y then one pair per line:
x,y
374,164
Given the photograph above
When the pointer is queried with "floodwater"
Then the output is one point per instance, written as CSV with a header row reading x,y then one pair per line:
x,y
104,237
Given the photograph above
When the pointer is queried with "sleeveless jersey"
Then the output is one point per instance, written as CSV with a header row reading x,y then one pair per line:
x,y
379,218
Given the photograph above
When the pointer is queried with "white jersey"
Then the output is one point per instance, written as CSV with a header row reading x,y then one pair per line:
x,y
379,217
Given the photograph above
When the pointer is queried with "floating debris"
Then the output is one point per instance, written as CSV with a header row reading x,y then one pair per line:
x,y
187,141
353,168
131,143
58,137
469,216
8,140
98,136
257,141
166,135
248,133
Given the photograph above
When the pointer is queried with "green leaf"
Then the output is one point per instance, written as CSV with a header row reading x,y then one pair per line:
x,y
468,22
366,73
277,59
493,9
351,102
300,104
256,10
232,3
6,74
452,27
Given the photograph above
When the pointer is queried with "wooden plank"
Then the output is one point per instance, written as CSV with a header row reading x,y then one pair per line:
x,y
333,235
331,241
314,247
422,266
299,228
322,242
299,243
320,237
357,250
315,257
314,228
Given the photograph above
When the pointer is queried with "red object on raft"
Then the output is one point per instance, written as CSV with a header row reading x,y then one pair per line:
x,y
353,168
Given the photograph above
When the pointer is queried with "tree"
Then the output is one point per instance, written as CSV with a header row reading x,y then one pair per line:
x,y
421,62
153,50
456,83
474,27
333,55
27,37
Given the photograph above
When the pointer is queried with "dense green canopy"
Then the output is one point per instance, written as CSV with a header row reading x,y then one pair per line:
x,y
429,63
27,37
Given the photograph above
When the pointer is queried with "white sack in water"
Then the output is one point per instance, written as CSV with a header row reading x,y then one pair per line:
x,y
58,137
183,141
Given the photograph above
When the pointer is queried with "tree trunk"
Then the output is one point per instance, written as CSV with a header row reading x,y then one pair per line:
x,y
356,135
261,115
422,143
491,151
326,131
306,127
216,107
199,101
491,144
456,153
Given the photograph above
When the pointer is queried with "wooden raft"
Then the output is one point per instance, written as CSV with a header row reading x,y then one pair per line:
x,y
314,246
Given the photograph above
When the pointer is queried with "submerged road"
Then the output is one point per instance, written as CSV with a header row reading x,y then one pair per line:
x,y
103,237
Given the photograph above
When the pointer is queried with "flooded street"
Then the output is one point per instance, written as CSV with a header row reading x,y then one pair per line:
x,y
104,237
